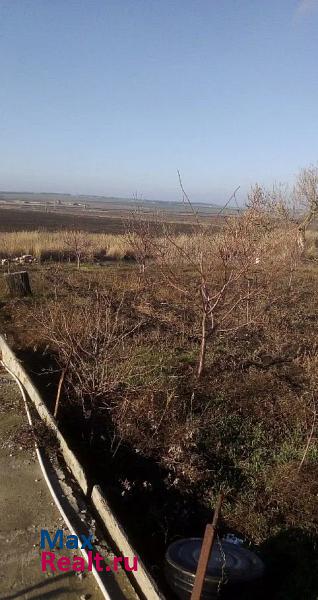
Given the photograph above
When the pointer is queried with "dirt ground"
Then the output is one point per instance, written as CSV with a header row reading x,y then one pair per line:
x,y
26,507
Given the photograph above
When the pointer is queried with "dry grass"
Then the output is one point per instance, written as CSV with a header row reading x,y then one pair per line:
x,y
43,244
55,245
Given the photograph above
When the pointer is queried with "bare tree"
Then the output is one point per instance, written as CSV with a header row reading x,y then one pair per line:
x,y
78,243
140,233
232,271
306,190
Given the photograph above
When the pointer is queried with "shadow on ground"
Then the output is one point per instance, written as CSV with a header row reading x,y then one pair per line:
x,y
41,589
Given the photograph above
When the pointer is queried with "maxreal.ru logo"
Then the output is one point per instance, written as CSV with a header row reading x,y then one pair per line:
x,y
50,560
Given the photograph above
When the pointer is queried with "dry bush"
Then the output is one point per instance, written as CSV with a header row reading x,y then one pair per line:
x,y
98,343
140,233
311,245
89,337
78,243
233,270
306,195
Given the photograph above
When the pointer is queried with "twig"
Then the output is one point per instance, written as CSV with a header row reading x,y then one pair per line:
x,y
59,389
309,440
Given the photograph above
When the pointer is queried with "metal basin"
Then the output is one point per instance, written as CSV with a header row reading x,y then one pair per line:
x,y
229,564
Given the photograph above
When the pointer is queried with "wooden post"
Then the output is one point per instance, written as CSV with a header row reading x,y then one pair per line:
x,y
205,553
18,284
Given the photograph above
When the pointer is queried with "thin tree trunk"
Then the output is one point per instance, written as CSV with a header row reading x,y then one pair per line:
x,y
203,346
59,389
60,385
248,301
308,441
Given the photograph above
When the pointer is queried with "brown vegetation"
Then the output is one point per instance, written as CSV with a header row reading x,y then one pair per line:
x,y
201,360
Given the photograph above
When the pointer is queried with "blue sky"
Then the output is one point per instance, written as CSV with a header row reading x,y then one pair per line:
x,y
113,96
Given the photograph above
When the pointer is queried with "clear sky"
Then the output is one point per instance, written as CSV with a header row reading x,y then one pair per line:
x,y
113,96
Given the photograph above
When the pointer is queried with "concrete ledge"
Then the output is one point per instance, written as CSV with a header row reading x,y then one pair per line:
x,y
15,366
119,537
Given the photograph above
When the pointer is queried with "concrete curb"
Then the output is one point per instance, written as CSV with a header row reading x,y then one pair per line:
x,y
116,532
118,535
14,365
52,489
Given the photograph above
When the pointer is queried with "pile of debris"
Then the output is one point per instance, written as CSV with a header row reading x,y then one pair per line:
x,y
19,260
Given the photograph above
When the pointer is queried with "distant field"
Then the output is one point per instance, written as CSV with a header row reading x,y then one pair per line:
x,y
108,203
19,219
14,219
53,212
107,220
